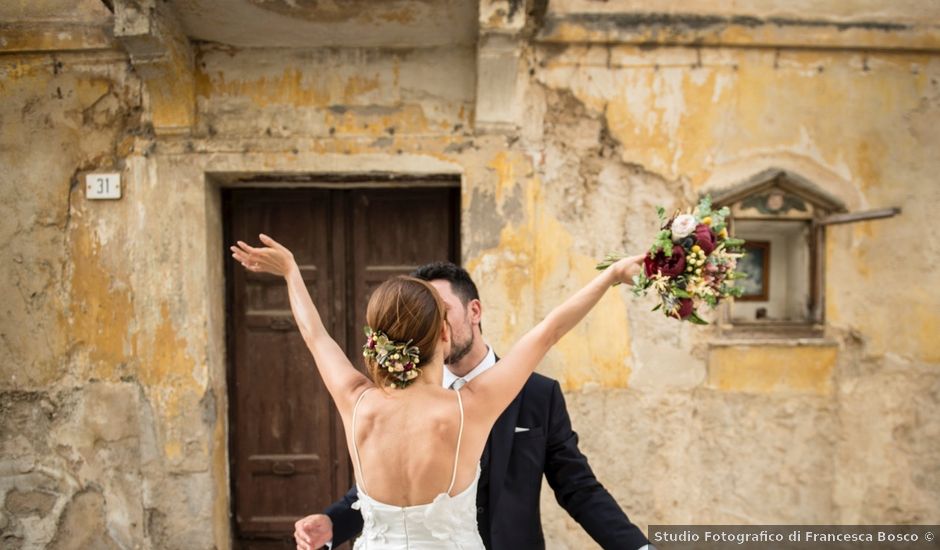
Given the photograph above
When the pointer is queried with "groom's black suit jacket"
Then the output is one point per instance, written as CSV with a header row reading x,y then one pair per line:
x,y
513,462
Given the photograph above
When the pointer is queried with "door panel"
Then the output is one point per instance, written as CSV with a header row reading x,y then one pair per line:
x,y
393,233
279,461
287,447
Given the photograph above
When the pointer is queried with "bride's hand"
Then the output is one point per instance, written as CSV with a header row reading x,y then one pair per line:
x,y
625,268
273,258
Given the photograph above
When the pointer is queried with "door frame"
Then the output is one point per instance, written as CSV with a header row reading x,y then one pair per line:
x,y
274,180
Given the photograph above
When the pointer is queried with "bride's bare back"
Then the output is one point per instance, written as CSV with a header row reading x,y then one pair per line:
x,y
407,443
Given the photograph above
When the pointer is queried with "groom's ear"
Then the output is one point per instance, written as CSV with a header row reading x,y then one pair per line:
x,y
475,311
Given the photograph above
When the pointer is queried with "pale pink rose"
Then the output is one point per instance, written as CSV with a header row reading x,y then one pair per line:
x,y
682,226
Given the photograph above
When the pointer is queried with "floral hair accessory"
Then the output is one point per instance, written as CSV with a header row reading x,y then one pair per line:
x,y
692,262
399,359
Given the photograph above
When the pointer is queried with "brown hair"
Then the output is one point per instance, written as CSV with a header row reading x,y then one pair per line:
x,y
405,308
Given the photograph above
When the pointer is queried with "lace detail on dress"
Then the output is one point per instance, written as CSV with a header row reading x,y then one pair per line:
x,y
446,516
369,528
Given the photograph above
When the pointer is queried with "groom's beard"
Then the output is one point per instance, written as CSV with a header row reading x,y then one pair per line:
x,y
459,350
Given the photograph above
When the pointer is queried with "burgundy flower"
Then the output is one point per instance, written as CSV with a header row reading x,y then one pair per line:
x,y
669,266
705,238
685,307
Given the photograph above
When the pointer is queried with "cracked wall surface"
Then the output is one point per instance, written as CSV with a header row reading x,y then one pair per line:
x,y
749,433
112,383
104,438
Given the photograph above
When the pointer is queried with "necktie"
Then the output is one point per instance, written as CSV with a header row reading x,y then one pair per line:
x,y
457,384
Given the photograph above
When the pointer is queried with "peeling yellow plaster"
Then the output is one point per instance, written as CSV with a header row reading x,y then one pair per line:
x,y
171,85
13,71
100,308
405,119
29,39
167,376
516,248
357,86
173,105
516,243
596,350
770,369
536,259
169,361
850,115
286,89
684,122
504,166
290,88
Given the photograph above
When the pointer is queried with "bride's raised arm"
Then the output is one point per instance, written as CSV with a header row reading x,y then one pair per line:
x,y
342,379
493,390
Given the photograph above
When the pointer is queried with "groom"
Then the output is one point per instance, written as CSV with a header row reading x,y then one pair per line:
x,y
532,437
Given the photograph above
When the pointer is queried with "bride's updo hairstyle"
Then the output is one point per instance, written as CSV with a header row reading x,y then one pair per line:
x,y
402,309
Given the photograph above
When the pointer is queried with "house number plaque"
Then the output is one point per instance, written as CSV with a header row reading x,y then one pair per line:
x,y
103,186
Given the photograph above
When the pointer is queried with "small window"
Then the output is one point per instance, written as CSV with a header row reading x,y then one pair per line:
x,y
783,217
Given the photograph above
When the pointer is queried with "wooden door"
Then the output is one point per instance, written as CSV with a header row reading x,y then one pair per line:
x,y
393,233
287,449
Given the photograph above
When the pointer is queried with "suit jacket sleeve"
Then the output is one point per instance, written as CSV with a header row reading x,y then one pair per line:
x,y
347,522
576,488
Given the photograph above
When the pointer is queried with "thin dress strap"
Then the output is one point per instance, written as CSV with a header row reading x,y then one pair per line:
x,y
362,481
453,478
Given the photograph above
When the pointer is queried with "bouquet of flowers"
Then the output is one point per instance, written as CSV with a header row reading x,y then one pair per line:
x,y
691,261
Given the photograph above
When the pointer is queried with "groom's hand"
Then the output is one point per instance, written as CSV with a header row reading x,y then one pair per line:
x,y
313,531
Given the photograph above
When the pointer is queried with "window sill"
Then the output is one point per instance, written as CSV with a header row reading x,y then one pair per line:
x,y
772,333
726,341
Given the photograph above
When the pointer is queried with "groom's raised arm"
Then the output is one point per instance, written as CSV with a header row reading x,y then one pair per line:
x,y
576,488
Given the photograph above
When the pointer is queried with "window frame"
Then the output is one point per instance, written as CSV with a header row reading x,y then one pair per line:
x,y
824,206
827,210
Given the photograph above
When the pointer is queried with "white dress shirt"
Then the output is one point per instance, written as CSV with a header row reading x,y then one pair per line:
x,y
488,361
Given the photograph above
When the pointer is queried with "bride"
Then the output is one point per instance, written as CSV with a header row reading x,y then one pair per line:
x,y
415,445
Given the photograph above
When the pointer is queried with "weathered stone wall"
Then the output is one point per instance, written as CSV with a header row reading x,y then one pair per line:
x,y
107,419
682,428
112,395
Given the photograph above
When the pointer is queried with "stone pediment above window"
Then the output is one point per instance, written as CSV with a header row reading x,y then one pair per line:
x,y
778,194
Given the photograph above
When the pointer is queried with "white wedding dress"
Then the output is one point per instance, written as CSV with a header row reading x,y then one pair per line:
x,y
446,522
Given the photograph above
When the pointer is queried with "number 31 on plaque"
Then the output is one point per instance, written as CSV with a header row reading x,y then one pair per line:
x,y
103,186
